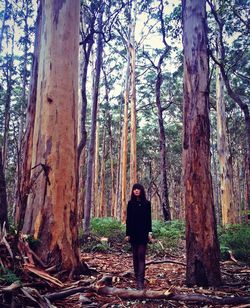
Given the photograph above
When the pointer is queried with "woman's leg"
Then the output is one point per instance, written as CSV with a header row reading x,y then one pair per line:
x,y
141,254
135,259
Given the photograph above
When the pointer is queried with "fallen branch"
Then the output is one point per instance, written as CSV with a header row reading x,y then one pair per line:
x,y
165,261
65,293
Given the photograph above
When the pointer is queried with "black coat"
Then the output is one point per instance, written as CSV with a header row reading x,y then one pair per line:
x,y
138,223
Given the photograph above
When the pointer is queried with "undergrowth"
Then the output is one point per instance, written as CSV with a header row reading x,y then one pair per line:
x,y
237,239
108,234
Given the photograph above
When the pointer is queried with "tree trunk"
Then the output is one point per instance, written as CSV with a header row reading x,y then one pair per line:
x,y
163,164
3,196
9,82
112,171
81,153
245,190
225,159
124,152
202,245
216,189
133,160
233,94
3,24
51,213
91,149
117,207
103,209
23,104
24,183
96,209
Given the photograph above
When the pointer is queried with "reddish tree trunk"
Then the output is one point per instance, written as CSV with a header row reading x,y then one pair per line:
x,y
51,213
201,237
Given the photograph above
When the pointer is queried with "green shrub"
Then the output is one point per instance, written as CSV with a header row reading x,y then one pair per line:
x,y
168,235
171,229
237,239
106,227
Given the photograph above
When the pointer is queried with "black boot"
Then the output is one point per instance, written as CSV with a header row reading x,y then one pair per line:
x,y
140,285
140,279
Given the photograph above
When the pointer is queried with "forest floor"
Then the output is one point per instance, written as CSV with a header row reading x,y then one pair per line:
x,y
165,275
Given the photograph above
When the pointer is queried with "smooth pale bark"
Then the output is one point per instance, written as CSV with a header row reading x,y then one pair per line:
x,y
110,143
96,209
124,159
3,196
91,148
225,159
24,181
51,213
202,245
117,206
103,209
124,148
232,93
112,170
133,159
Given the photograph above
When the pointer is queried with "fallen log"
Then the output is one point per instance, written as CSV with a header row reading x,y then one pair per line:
x,y
133,294
168,295
104,287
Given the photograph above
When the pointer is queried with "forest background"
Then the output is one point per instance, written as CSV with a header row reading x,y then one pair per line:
x,y
130,118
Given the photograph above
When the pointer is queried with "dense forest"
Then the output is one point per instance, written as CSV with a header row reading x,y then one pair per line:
x,y
98,95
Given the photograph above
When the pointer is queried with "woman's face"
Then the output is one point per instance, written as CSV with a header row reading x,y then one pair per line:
x,y
137,192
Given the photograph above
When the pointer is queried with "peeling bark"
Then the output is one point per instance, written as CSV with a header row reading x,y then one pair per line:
x,y
51,213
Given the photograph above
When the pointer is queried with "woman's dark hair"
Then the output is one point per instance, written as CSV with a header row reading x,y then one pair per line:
x,y
142,195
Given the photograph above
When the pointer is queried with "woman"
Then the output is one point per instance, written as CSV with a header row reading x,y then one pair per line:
x,y
138,230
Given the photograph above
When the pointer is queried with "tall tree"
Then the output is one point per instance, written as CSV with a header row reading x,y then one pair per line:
x,y
160,109
91,148
3,196
95,209
51,211
225,159
24,182
8,72
202,245
132,50
102,207
87,33
226,68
